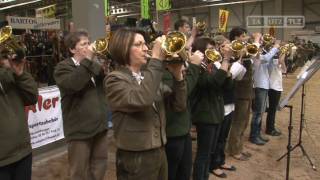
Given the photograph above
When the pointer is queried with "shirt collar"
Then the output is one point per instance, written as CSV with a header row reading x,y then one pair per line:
x,y
75,62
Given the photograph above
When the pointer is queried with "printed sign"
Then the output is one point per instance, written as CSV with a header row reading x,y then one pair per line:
x,y
33,23
45,118
275,21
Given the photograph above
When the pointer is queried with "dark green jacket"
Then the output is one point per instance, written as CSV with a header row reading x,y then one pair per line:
x,y
179,123
16,92
82,101
207,104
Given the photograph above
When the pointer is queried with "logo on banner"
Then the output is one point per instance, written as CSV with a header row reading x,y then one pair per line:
x,y
45,118
163,5
223,20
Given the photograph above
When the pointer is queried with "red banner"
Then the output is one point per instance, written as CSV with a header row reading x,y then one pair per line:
x,y
166,22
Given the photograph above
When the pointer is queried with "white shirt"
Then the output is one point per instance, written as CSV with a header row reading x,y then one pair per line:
x,y
275,75
261,69
138,76
237,71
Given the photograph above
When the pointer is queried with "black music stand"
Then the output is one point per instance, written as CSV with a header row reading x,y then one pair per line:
x,y
302,79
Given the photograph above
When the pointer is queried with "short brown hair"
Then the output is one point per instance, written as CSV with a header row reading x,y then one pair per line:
x,y
201,43
120,44
73,38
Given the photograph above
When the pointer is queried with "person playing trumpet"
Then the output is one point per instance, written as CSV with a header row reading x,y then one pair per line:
x,y
261,86
137,98
17,90
237,71
207,108
80,81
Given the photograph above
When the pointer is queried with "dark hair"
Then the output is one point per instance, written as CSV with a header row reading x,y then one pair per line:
x,y
120,44
73,38
19,54
201,44
180,23
236,32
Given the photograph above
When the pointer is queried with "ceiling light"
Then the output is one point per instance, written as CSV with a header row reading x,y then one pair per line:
x,y
20,4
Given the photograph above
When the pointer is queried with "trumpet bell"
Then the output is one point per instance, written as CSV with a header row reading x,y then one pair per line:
x,y
267,38
213,55
174,43
201,26
8,41
237,45
100,46
252,49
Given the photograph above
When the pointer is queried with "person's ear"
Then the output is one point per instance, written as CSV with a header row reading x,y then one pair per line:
x,y
72,50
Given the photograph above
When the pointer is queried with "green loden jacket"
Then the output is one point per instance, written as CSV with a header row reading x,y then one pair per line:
x,y
179,123
15,93
83,105
138,111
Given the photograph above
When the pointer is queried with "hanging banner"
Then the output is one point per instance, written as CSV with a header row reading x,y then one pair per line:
x,y
223,20
166,22
163,5
145,9
33,23
45,117
106,8
46,12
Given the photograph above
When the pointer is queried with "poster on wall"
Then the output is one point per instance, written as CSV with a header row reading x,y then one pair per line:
x,y
45,118
33,23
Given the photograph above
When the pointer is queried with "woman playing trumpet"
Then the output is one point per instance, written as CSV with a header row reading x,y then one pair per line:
x,y
137,99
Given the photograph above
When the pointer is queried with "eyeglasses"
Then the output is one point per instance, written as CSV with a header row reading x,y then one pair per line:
x,y
140,45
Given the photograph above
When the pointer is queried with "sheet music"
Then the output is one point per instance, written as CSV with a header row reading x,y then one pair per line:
x,y
304,77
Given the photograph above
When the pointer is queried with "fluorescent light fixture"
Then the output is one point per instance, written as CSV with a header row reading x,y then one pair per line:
x,y
6,1
20,4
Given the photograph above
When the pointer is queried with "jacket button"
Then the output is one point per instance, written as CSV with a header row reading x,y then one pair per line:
x,y
156,134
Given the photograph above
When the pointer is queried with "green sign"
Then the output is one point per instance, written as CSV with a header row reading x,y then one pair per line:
x,y
145,9
163,5
106,7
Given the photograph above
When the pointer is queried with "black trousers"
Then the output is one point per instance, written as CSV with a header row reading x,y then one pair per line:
x,y
179,156
274,97
207,138
20,170
217,155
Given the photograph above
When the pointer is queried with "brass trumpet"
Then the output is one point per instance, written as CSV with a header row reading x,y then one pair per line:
x,y
100,46
252,49
267,39
174,43
237,46
8,41
201,26
213,55
285,49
